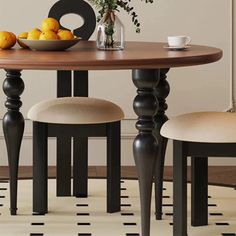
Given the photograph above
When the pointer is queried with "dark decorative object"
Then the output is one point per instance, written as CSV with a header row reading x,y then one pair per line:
x,y
79,7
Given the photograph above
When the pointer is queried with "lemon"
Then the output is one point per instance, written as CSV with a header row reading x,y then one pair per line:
x,y
23,35
48,35
13,37
50,24
65,35
34,34
7,40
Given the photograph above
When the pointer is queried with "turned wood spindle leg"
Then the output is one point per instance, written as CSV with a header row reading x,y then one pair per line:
x,y
145,147
13,128
162,91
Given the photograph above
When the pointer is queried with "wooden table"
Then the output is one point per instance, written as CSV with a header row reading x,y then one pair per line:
x,y
149,63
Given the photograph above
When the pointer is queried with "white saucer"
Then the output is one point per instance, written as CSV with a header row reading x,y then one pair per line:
x,y
176,48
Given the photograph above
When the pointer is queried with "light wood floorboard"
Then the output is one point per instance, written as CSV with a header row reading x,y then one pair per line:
x,y
219,175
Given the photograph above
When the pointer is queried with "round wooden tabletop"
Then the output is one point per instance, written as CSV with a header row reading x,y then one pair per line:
x,y
85,56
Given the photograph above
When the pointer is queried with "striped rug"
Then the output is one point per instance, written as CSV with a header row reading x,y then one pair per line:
x,y
71,216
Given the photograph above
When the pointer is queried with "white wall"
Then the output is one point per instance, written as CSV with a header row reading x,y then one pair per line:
x,y
196,88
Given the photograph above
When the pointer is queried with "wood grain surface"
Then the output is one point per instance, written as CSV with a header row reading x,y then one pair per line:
x,y
85,56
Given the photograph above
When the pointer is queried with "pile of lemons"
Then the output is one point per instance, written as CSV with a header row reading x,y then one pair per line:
x,y
50,30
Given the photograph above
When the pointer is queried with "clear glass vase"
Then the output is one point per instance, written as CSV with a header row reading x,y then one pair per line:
x,y
110,33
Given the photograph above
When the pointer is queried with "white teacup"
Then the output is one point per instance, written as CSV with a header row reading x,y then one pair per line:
x,y
178,41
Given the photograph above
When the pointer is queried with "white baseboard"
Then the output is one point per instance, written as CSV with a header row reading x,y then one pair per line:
x,y
97,149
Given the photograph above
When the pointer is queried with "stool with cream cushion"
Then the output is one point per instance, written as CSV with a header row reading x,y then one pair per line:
x,y
199,135
76,117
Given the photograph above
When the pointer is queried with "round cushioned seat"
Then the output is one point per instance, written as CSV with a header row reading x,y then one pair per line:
x,y
208,127
75,110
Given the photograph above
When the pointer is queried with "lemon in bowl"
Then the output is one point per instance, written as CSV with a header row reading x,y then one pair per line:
x,y
48,35
49,38
50,24
23,35
34,34
65,35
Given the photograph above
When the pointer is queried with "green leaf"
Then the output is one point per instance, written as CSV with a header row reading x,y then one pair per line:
x,y
107,6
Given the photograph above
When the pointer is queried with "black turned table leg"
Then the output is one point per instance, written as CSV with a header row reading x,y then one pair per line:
x,y
13,128
199,190
162,91
145,147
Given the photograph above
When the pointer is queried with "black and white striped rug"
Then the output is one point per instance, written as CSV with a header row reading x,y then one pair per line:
x,y
71,216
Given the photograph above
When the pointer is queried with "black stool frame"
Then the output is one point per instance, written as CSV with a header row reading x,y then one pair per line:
x,y
41,132
199,153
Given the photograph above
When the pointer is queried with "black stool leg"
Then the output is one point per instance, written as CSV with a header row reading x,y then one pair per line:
x,y
64,88
113,167
63,166
80,156
180,190
199,189
40,168
159,174
80,167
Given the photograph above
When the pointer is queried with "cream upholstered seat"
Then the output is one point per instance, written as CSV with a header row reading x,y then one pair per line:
x,y
209,127
197,135
75,110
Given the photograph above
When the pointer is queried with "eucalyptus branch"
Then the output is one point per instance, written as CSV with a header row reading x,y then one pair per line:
x,y
105,6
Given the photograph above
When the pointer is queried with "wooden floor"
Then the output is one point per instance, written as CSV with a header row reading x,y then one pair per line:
x,y
219,175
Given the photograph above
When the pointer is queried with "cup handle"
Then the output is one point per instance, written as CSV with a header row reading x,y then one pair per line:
x,y
188,40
